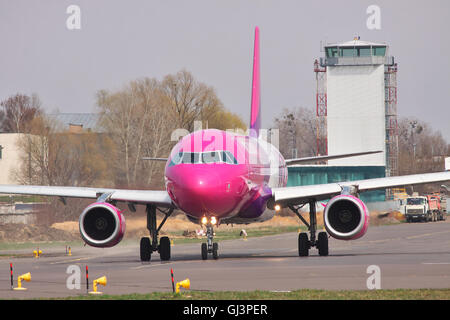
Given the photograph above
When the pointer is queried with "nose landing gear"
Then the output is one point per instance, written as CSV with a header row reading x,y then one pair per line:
x,y
210,247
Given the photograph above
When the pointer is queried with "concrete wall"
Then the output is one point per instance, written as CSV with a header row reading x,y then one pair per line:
x,y
25,218
10,157
19,212
356,113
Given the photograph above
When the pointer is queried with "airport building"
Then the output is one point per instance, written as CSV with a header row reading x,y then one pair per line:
x,y
11,155
76,122
356,111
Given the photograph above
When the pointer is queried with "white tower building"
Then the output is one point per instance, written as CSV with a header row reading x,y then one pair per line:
x,y
361,100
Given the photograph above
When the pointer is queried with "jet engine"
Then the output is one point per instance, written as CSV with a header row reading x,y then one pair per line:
x,y
102,225
346,217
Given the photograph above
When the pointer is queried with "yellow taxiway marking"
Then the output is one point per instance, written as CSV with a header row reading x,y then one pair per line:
x,y
72,260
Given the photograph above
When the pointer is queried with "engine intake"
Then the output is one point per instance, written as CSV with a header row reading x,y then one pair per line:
x,y
346,217
102,225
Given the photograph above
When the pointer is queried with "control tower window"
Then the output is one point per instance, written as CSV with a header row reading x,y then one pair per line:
x,y
332,52
379,51
364,52
348,52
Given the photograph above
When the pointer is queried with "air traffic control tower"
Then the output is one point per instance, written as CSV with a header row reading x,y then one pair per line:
x,y
357,104
356,111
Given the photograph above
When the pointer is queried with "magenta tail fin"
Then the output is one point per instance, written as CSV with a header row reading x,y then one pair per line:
x,y
255,112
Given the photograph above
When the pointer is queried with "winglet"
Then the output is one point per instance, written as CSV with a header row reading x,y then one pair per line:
x,y
255,114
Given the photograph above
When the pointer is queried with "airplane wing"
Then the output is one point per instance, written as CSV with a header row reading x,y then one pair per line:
x,y
290,162
301,194
158,197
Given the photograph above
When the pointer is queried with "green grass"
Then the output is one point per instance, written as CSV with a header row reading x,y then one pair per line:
x,y
221,235
304,294
24,199
40,244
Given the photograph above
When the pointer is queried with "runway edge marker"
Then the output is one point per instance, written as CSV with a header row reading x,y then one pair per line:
x,y
12,281
87,280
173,283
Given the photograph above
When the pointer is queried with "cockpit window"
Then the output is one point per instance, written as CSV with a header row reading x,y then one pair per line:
x,y
190,157
186,158
228,157
203,157
211,157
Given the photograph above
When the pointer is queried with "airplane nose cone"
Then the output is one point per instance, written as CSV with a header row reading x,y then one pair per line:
x,y
202,186
202,193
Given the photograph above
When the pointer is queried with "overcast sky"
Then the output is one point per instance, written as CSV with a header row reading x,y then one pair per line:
x,y
123,40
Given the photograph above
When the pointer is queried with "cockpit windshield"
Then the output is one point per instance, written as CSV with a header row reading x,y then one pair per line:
x,y
190,157
211,157
203,157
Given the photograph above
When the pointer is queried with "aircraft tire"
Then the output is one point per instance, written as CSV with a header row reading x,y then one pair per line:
x,y
204,251
322,244
145,249
164,248
215,250
303,245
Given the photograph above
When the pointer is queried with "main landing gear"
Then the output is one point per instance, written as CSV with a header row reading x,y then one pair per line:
x,y
304,244
210,247
148,246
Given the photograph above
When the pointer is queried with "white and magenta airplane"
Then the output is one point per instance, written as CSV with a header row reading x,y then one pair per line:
x,y
216,177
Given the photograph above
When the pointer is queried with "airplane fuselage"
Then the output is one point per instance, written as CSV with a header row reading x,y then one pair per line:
x,y
219,173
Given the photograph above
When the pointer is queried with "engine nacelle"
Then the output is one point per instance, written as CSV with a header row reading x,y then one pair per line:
x,y
102,225
346,217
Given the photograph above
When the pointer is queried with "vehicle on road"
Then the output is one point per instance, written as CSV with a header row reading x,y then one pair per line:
x,y
424,208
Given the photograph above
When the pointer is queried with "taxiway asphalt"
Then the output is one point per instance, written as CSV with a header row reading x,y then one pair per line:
x,y
415,255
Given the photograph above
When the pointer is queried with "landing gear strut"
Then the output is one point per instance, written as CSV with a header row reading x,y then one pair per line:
x,y
304,244
210,247
147,245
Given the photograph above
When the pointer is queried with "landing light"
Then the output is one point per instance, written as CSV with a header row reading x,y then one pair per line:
x,y
213,220
277,207
204,220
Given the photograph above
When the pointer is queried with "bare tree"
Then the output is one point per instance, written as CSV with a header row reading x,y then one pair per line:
x,y
138,124
297,126
224,120
18,111
189,100
421,149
